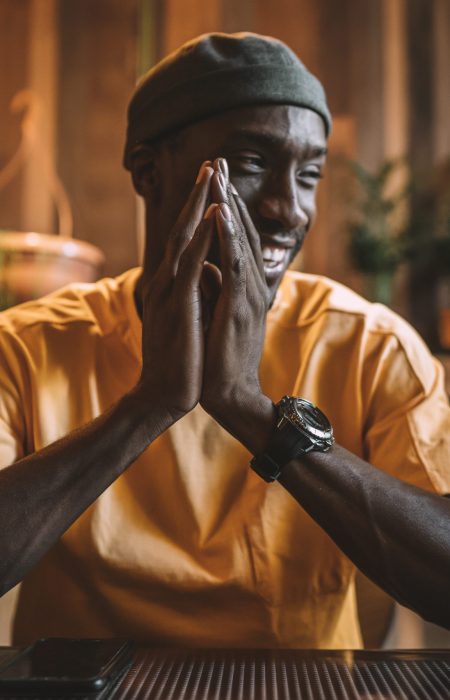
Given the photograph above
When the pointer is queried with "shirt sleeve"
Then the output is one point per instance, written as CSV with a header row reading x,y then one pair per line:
x,y
12,409
408,414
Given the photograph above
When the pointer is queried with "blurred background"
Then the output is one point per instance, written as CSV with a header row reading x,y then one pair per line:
x,y
68,68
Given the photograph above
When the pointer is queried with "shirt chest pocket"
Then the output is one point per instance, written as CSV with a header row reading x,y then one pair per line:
x,y
292,558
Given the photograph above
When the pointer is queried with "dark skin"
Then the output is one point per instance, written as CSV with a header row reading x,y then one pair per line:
x,y
275,156
197,320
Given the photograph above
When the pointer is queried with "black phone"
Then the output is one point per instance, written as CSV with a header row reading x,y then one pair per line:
x,y
65,666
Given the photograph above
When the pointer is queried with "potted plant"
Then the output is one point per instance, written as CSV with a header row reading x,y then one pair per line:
x,y
377,245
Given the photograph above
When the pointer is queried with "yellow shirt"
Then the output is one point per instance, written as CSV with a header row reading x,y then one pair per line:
x,y
190,546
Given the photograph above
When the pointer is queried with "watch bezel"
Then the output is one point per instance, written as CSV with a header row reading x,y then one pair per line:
x,y
290,408
293,437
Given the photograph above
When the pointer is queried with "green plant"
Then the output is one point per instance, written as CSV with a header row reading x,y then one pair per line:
x,y
376,245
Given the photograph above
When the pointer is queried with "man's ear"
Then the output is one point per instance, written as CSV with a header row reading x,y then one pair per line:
x,y
144,170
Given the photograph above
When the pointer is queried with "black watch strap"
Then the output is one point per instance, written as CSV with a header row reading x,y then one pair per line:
x,y
286,443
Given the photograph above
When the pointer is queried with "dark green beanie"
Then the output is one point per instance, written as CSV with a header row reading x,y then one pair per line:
x,y
216,72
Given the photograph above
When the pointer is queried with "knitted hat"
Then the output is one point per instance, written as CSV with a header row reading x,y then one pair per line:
x,y
216,72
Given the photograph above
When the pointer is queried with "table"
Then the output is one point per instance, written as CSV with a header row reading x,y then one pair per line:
x,y
283,675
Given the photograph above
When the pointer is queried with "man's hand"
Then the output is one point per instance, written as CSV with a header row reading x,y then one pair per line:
x,y
231,389
172,326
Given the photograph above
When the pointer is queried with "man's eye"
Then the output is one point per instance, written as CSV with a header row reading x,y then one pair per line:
x,y
310,177
246,163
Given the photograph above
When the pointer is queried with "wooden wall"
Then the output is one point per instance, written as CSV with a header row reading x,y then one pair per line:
x,y
376,59
98,65
428,34
14,23
81,58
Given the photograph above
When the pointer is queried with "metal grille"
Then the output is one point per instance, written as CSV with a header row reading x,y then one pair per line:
x,y
280,675
285,675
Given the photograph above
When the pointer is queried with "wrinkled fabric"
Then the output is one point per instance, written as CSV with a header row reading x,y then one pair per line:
x,y
189,547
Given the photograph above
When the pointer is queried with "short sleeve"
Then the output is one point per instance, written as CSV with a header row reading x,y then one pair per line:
x,y
408,414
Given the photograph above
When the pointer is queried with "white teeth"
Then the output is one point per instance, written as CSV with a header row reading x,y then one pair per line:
x,y
271,254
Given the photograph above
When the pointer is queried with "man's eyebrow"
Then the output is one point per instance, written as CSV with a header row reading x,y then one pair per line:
x,y
261,138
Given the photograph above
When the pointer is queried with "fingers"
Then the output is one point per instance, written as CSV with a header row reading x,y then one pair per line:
x,y
210,287
189,218
242,263
222,190
252,234
211,282
191,261
233,263
244,294
221,193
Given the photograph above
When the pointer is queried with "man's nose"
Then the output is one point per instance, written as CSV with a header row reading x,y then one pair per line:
x,y
281,202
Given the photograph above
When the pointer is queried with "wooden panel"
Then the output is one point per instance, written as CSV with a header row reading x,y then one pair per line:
x,y
423,293
15,28
238,15
395,80
97,75
184,21
420,33
365,73
294,21
441,80
335,53
38,206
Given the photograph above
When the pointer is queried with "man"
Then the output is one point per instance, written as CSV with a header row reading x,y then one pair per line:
x,y
139,435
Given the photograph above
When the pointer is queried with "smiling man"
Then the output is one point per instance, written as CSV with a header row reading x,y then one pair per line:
x,y
130,409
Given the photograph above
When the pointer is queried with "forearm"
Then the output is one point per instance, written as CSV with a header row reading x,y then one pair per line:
x,y
396,534
42,494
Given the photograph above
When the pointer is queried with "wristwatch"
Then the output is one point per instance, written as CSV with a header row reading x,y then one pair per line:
x,y
301,428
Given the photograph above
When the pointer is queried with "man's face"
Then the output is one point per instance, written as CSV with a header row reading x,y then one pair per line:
x,y
275,156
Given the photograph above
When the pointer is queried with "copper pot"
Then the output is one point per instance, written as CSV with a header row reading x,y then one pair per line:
x,y
35,264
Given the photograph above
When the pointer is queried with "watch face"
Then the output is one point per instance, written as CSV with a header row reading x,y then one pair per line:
x,y
312,427
313,420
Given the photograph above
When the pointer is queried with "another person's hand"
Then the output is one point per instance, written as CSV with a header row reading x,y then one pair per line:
x,y
172,324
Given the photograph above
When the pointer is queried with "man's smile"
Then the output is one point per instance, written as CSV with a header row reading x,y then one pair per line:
x,y
277,253
276,260
273,256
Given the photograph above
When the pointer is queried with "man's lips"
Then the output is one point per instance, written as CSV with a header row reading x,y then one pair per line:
x,y
274,257
279,241
276,253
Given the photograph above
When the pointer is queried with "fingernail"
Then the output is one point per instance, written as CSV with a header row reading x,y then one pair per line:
x,y
223,167
210,211
233,189
226,211
202,171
